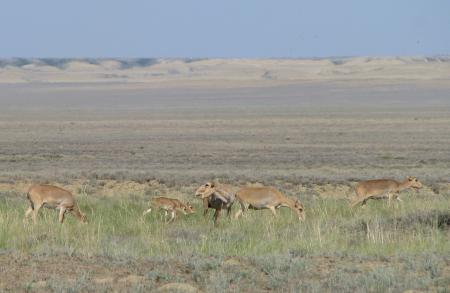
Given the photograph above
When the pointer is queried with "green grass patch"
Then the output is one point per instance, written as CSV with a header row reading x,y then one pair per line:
x,y
116,228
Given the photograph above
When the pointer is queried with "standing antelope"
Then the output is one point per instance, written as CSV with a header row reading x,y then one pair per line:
x,y
382,188
171,205
267,198
216,196
43,195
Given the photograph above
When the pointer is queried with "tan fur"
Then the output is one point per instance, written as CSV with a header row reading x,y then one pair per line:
x,y
382,188
171,205
216,196
42,195
267,198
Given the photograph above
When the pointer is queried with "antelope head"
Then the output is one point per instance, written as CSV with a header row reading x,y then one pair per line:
x,y
205,190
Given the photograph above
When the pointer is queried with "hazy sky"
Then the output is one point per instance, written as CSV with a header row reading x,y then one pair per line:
x,y
227,28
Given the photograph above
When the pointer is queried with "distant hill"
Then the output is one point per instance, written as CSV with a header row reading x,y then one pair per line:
x,y
166,71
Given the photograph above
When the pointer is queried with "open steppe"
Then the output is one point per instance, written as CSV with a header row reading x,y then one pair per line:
x,y
312,128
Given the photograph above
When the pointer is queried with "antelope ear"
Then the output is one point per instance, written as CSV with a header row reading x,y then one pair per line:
x,y
409,178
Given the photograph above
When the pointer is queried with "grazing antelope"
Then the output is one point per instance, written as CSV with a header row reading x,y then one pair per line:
x,y
267,198
42,195
216,196
171,205
382,188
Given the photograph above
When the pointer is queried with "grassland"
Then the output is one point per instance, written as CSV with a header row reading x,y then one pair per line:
x,y
406,247
115,146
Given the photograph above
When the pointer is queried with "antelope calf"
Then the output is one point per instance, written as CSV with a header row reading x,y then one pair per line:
x,y
258,198
42,195
171,205
216,196
382,188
